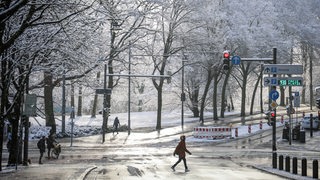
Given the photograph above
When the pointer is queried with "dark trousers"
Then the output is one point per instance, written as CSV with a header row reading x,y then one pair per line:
x,y
49,149
41,155
115,129
184,161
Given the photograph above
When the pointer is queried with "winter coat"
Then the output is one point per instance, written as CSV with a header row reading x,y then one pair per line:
x,y
116,122
42,145
181,149
50,142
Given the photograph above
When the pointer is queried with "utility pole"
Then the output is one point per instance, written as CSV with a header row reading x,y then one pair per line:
x,y
274,124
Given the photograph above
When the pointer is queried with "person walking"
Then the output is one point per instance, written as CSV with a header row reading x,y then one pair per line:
x,y
181,152
42,147
116,123
50,141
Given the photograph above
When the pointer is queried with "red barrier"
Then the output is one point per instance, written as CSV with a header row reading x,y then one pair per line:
x,y
212,132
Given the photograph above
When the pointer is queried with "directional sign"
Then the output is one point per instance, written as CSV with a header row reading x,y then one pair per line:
x,y
103,91
30,105
270,81
283,69
283,81
236,60
274,95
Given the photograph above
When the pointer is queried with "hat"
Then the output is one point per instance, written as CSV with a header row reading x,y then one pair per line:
x,y
183,137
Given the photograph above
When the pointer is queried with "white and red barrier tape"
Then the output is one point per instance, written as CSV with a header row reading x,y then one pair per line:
x,y
212,132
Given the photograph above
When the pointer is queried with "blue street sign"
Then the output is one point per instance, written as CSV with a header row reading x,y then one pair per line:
x,y
236,60
274,95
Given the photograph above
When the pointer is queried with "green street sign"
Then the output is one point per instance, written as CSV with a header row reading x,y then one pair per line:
x,y
283,81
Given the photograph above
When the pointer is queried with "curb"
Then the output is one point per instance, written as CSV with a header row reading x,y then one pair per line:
x,y
86,172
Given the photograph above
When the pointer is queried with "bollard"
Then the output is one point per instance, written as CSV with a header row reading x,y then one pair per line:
x,y
274,160
249,128
311,125
304,167
236,132
288,163
260,125
281,162
315,169
294,165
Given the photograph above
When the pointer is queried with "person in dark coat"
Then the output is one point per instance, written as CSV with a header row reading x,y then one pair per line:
x,y
42,147
181,152
116,123
50,145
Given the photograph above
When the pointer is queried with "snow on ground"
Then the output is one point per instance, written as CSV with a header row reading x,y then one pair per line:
x,y
85,125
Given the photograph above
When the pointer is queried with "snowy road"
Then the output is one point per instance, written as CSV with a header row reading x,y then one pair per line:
x,y
149,157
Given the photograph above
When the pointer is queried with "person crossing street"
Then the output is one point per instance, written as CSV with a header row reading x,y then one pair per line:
x,y
181,152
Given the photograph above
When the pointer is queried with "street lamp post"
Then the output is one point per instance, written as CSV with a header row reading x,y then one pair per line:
x,y
104,121
183,95
113,28
129,91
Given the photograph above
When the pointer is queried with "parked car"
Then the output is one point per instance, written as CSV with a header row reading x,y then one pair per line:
x,y
305,122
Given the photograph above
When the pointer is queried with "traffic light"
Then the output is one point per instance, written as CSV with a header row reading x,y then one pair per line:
x,y
226,60
108,110
271,117
318,103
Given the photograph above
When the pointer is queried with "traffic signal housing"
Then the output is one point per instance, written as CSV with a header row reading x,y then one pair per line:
x,y
318,103
108,111
226,60
271,117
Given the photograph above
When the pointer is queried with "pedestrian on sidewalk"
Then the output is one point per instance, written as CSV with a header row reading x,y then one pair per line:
x,y
42,147
116,123
50,141
181,152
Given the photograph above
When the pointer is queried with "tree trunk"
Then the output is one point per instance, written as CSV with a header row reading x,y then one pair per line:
x,y
215,95
254,92
72,96
244,90
310,76
159,110
4,80
223,93
195,101
94,106
204,95
48,101
79,112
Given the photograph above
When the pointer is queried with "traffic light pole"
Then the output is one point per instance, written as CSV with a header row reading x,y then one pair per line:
x,y
274,126
272,88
